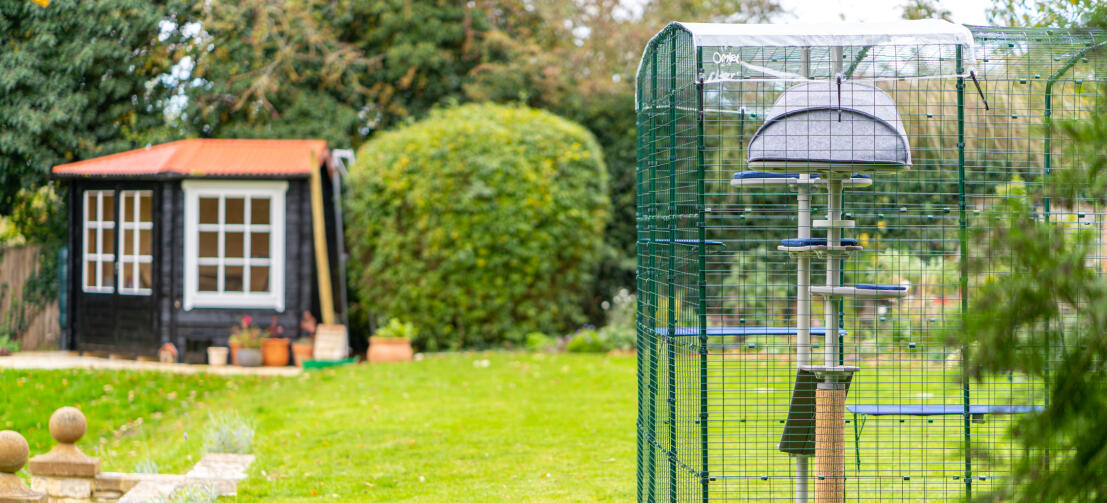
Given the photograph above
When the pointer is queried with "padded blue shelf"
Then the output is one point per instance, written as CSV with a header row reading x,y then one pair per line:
x,y
685,242
797,242
749,175
718,331
866,286
939,410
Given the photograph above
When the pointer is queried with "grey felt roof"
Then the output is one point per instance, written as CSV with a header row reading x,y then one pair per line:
x,y
807,125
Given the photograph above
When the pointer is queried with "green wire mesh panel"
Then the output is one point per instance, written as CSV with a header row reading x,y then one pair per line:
x,y
719,300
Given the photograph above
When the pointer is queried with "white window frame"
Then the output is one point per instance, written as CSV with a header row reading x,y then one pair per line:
x,y
134,224
101,285
193,191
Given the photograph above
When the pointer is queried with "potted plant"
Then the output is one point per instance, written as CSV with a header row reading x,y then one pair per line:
x,y
392,342
274,347
304,347
248,337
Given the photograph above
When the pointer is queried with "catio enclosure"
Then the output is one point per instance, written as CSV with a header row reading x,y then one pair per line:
x,y
805,200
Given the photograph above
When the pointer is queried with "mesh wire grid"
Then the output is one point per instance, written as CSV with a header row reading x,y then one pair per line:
x,y
718,300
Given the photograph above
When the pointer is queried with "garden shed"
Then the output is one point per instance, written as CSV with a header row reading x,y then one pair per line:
x,y
173,243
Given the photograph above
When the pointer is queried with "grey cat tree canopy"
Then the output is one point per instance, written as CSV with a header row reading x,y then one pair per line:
x,y
832,123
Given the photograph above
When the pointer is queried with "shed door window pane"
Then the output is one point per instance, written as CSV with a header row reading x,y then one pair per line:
x,y
98,248
136,220
233,244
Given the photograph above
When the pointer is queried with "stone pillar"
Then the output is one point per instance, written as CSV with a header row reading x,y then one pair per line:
x,y
13,455
65,473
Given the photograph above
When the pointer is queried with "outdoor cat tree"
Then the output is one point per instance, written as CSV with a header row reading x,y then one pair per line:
x,y
903,135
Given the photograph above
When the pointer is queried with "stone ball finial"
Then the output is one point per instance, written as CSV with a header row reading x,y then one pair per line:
x,y
13,451
68,425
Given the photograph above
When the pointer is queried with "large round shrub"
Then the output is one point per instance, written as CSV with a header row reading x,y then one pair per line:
x,y
479,224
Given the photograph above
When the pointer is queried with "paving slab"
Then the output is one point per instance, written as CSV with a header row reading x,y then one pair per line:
x,y
57,360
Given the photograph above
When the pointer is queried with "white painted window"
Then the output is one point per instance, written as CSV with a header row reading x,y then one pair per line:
x,y
98,241
234,244
136,236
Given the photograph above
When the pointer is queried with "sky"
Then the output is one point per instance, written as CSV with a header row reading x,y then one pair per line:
x,y
875,11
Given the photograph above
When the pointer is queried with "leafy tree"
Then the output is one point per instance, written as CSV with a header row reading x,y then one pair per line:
x,y
1047,318
78,79
1043,12
274,69
925,9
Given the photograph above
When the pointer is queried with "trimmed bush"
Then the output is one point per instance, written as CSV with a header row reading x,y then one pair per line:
x,y
480,224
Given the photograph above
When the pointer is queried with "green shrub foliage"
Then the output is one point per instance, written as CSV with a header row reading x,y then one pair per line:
x,y
480,224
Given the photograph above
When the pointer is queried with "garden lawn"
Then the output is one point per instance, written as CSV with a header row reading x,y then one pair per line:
x,y
459,427
122,408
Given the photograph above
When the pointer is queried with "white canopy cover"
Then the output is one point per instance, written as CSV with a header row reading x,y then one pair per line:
x,y
921,32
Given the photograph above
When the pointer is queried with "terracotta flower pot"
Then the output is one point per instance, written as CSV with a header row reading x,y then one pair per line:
x,y
249,357
235,346
274,351
302,351
217,356
389,349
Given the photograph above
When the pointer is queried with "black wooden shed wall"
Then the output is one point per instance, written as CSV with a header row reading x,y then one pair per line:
x,y
192,330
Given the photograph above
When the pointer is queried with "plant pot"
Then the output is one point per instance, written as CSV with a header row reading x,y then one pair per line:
x,y
274,351
249,357
235,346
302,351
217,355
389,349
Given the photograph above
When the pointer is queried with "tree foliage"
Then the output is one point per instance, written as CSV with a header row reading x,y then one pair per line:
x,y
479,224
1063,13
77,80
1047,317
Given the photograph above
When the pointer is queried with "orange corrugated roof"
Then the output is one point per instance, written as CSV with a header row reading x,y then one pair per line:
x,y
208,157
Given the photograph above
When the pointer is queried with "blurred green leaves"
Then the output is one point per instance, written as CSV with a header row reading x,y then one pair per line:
x,y
480,224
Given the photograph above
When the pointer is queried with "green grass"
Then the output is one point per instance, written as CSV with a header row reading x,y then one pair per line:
x,y
119,406
463,427
497,427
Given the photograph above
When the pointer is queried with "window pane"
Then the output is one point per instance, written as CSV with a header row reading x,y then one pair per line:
x,y
232,244
207,278
128,206
90,241
232,278
90,273
209,244
209,210
259,245
128,276
259,211
235,210
106,268
146,206
144,280
128,242
259,279
145,238
109,242
109,206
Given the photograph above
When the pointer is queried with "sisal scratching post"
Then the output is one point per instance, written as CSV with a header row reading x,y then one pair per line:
x,y
830,474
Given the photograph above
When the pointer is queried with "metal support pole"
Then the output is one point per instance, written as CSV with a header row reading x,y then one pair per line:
x,y
833,266
803,312
964,279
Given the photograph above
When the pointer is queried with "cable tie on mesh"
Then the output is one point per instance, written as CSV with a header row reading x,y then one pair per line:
x,y
972,75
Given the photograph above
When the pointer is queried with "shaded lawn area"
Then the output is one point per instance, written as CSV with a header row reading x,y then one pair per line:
x,y
459,427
